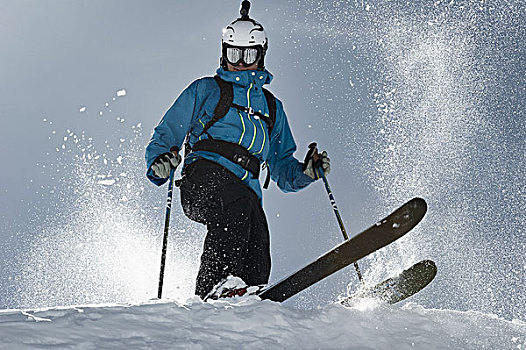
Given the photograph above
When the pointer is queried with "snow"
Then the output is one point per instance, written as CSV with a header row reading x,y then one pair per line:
x,y
248,322
108,182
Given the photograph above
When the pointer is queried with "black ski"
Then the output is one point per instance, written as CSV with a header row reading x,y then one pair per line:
x,y
379,235
395,289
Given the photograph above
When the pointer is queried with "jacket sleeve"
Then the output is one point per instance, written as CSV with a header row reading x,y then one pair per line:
x,y
172,128
285,170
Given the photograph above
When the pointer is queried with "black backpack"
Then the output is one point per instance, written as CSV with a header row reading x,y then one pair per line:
x,y
229,150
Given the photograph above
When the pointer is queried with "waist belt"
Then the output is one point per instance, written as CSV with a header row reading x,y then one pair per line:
x,y
231,151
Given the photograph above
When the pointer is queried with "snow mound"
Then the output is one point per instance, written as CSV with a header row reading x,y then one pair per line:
x,y
250,323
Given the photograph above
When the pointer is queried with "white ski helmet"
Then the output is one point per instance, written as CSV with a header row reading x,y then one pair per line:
x,y
242,33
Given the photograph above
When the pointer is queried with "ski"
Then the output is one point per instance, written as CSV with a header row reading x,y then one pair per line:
x,y
395,289
377,236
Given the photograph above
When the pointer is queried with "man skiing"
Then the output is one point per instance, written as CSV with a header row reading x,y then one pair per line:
x,y
232,126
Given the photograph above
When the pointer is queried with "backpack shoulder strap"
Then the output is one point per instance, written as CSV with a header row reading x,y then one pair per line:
x,y
226,92
226,96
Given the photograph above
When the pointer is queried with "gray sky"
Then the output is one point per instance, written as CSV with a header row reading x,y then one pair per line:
x,y
421,100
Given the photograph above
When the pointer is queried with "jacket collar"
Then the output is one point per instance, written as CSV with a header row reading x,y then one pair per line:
x,y
245,78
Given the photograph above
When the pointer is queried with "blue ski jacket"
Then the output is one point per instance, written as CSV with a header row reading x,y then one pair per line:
x,y
195,107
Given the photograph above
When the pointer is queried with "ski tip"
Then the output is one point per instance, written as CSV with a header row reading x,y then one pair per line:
x,y
428,262
418,203
430,267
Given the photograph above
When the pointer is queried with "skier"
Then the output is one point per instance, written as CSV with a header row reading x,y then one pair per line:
x,y
232,127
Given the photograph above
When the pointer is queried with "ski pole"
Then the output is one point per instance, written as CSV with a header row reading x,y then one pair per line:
x,y
317,164
166,229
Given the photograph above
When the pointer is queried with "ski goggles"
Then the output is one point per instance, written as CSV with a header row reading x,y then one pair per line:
x,y
246,55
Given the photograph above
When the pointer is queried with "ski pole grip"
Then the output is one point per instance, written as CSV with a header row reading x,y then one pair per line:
x,y
316,157
313,153
312,150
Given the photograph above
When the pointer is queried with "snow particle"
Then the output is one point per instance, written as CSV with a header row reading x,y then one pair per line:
x,y
82,109
106,182
121,93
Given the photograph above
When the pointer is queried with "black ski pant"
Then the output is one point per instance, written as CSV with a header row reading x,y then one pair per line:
x,y
237,242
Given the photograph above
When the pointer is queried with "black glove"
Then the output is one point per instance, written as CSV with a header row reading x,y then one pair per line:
x,y
314,160
164,163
